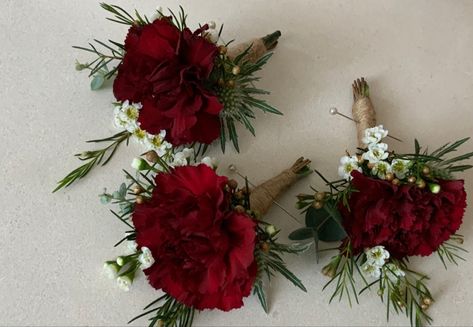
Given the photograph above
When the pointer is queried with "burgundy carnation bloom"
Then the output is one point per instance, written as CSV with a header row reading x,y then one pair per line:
x,y
203,250
405,219
165,69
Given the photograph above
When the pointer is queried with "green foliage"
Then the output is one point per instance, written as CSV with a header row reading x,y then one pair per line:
x,y
94,158
268,256
238,94
441,166
408,294
451,252
167,311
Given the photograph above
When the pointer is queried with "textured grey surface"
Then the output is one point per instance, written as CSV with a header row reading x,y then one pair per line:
x,y
417,57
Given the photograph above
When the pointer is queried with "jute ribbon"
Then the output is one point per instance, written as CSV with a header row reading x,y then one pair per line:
x,y
259,47
262,196
363,111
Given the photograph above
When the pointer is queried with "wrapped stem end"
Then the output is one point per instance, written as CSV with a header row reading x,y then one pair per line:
x,y
263,196
271,40
258,47
362,110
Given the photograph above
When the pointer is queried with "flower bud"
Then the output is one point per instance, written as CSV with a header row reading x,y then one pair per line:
x,y
80,66
152,156
329,270
434,188
270,230
140,164
124,282
111,269
146,258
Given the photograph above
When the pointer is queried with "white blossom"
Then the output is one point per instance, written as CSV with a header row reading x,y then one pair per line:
x,y
381,168
146,258
376,152
400,167
377,255
124,283
393,272
347,165
181,158
374,135
131,246
126,115
211,162
371,270
156,14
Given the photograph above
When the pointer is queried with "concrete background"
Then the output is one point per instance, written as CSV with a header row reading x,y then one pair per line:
x,y
416,55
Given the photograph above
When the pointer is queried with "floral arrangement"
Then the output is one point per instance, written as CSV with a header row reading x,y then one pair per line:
x,y
385,208
197,236
174,87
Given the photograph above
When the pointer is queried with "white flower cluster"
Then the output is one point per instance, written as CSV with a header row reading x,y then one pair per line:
x,y
376,156
124,281
126,116
347,165
375,259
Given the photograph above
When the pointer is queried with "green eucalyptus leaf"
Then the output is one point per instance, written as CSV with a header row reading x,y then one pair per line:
x,y
331,231
97,82
303,233
326,222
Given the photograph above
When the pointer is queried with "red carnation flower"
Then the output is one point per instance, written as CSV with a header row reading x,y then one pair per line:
x,y
405,219
203,250
165,69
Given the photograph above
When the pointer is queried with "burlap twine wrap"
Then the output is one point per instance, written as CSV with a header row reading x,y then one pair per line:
x,y
262,196
258,49
363,111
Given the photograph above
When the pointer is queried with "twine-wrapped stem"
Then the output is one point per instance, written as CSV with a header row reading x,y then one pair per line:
x,y
362,110
259,47
263,195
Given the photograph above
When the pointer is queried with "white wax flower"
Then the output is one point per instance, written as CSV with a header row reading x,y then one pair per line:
x,y
156,14
347,165
211,162
400,167
371,270
374,135
212,25
146,258
271,230
376,152
110,269
126,115
393,272
124,283
381,168
131,246
377,255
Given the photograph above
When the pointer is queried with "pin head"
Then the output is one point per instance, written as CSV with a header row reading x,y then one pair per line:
x,y
232,168
333,111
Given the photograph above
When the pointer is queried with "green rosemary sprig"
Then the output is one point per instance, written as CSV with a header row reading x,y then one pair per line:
x,y
408,293
94,158
451,252
341,270
268,257
168,312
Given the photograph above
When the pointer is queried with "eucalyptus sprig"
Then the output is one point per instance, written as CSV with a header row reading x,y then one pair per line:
x,y
94,158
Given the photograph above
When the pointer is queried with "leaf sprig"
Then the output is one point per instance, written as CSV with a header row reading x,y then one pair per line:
x,y
94,158
238,94
167,311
